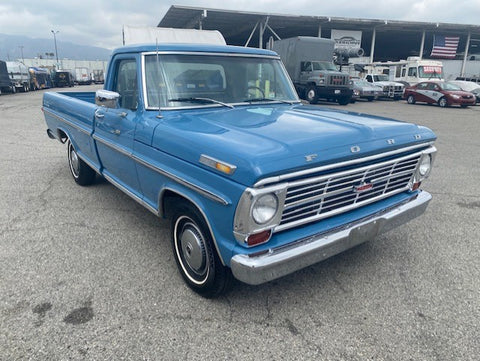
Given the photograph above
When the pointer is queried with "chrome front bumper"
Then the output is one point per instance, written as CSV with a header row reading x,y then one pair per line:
x,y
284,260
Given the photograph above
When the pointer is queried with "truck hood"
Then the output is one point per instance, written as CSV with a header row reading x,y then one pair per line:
x,y
388,83
267,140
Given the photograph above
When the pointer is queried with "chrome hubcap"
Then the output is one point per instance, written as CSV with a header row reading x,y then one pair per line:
x,y
75,164
193,249
311,94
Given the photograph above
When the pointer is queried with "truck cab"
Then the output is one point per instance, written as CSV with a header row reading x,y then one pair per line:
x,y
309,62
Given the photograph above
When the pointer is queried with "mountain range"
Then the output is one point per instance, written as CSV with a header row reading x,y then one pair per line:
x,y
11,47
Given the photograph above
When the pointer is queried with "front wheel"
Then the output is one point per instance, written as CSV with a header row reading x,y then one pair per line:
x,y
312,95
443,102
195,253
344,100
411,99
81,172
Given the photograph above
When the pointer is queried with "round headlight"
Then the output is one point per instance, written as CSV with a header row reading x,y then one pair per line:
x,y
264,208
425,166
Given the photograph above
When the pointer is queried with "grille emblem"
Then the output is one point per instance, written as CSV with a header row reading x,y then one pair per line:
x,y
310,157
364,187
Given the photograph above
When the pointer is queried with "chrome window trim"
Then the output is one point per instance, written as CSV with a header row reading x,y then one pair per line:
x,y
243,55
284,177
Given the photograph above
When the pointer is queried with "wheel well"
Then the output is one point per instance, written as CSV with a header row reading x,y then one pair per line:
x,y
168,200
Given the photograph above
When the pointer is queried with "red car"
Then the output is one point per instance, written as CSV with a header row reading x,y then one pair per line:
x,y
442,93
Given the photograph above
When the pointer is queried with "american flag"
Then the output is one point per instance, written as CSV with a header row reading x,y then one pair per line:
x,y
444,46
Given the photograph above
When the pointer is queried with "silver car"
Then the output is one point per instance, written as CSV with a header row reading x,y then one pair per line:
x,y
468,86
362,89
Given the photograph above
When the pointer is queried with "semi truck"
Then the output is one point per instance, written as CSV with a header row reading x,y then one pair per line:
x,y
19,76
309,62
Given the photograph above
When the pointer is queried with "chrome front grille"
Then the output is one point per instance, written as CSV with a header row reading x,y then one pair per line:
x,y
338,80
323,196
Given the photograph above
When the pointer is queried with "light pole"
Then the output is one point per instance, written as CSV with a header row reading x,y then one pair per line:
x,y
21,48
55,40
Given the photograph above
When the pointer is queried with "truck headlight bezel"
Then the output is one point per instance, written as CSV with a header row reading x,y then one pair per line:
x,y
258,210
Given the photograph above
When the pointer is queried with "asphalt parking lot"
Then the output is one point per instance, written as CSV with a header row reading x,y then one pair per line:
x,y
87,273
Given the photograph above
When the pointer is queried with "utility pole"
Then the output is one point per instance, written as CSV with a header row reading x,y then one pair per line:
x,y
55,40
21,49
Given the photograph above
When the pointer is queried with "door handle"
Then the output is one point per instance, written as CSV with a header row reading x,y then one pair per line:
x,y
98,114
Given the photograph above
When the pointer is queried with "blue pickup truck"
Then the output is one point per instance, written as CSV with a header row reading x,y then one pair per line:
x,y
257,185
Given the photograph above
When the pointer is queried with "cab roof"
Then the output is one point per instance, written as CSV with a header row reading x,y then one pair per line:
x,y
202,48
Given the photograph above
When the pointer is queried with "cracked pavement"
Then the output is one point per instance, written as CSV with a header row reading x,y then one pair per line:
x,y
88,274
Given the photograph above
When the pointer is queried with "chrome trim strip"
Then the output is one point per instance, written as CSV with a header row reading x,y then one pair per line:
x,y
184,182
131,194
281,261
112,145
177,179
73,125
301,173
229,54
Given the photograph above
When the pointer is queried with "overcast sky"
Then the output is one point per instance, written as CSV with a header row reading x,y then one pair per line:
x,y
99,22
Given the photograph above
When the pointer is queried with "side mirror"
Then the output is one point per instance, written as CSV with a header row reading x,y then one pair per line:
x,y
107,98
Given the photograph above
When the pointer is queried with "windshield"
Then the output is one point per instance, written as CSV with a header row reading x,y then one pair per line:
x,y
184,80
363,83
323,65
381,77
430,72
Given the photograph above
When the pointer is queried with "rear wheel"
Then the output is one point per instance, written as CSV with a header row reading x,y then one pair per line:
x,y
370,99
443,102
411,99
195,253
81,172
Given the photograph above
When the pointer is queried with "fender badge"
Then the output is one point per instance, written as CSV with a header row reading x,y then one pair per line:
x,y
311,157
355,149
391,141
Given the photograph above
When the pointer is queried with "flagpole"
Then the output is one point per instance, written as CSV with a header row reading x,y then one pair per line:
x,y
467,45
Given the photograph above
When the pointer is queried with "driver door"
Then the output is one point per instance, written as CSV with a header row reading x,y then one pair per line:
x,y
115,128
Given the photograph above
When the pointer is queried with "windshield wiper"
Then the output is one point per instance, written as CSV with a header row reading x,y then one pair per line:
x,y
253,100
200,100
